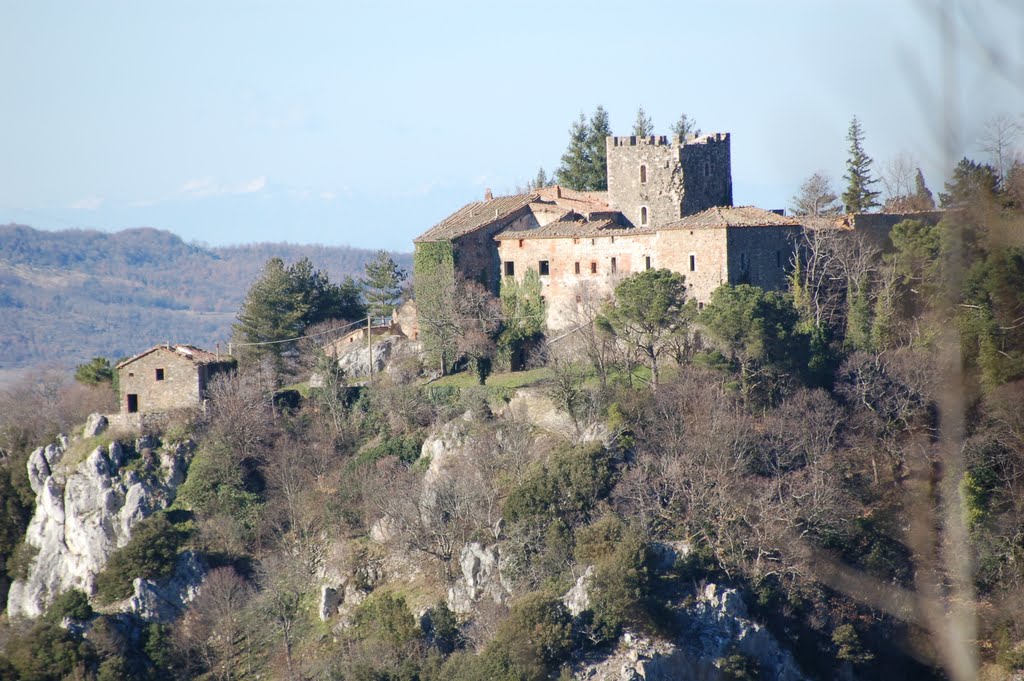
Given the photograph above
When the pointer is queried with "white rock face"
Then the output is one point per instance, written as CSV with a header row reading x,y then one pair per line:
x,y
83,512
94,425
715,626
481,578
577,599
163,601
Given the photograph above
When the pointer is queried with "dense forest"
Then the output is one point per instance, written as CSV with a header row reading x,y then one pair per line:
x,y
70,295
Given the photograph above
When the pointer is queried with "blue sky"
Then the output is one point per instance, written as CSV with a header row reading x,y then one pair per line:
x,y
365,123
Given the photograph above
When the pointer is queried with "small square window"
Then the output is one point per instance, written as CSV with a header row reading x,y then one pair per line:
x,y
577,268
544,267
131,374
159,374
700,306
593,268
520,243
510,268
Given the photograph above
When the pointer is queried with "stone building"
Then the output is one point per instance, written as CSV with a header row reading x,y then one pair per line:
x,y
655,180
581,261
668,205
168,377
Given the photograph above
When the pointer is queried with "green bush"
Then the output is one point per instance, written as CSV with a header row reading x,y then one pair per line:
x,y
620,586
535,637
150,554
20,562
849,646
569,486
386,618
73,604
47,651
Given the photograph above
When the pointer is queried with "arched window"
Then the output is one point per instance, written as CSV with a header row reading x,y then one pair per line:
x,y
643,215
643,174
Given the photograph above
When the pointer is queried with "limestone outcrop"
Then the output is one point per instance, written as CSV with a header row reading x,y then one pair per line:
x,y
481,578
717,625
86,506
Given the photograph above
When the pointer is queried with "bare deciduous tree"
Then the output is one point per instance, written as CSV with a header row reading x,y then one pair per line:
x,y
998,140
816,196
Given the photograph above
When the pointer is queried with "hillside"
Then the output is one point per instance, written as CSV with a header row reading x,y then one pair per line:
x,y
76,294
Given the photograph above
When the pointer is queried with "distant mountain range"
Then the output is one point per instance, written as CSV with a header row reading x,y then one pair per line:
x,y
71,295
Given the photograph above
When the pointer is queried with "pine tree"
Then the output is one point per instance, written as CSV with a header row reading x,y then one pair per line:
x,y
273,312
597,135
643,127
541,180
382,284
575,172
685,127
858,197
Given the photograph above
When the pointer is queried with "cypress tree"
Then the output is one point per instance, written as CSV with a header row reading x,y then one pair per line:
x,y
858,197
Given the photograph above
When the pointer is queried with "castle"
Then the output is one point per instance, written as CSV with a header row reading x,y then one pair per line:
x,y
668,205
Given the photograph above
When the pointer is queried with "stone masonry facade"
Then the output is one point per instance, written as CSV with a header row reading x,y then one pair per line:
x,y
166,378
655,180
668,205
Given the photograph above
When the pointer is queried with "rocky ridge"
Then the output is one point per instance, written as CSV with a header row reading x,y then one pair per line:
x,y
86,507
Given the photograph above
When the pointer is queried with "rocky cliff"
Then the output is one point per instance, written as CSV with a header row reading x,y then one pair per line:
x,y
88,498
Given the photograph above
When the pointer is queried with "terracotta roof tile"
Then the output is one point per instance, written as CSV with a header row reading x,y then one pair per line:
x,y
197,356
732,216
473,216
573,228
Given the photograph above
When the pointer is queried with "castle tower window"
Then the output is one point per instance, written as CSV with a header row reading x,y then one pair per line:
x,y
700,306
510,268
614,266
778,258
643,215
647,262
159,374
520,243
544,268
643,174
577,268
693,262
593,268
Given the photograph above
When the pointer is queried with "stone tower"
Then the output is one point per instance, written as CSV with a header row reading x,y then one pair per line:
x,y
656,180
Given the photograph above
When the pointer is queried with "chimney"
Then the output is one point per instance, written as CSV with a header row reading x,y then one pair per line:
x,y
488,196
558,191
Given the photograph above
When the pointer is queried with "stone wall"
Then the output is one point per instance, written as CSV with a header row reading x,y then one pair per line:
x,y
707,171
183,382
709,251
761,255
476,258
668,178
597,274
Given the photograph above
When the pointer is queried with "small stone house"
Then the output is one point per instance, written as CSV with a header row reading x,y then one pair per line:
x,y
168,377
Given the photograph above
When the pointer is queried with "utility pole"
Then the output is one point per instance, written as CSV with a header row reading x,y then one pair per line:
x,y
369,341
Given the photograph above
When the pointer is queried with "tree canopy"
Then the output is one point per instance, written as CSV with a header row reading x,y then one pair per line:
x,y
382,285
584,166
643,126
284,302
648,307
859,197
